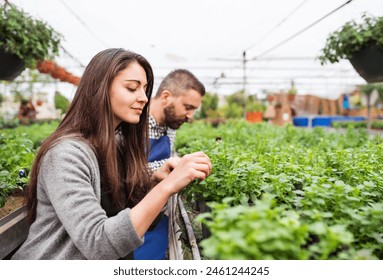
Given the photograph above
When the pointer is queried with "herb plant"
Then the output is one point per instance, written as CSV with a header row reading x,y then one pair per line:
x,y
326,184
30,39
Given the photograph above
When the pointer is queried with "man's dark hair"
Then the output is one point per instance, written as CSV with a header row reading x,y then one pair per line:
x,y
180,80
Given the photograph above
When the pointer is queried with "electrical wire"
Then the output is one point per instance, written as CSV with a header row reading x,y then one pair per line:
x,y
276,26
72,57
84,24
301,31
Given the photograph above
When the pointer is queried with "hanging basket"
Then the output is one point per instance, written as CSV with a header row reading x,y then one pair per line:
x,y
10,66
369,64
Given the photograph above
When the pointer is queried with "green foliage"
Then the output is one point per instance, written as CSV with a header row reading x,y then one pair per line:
x,y
209,104
30,39
236,103
369,88
351,38
232,110
253,105
347,124
329,182
293,90
376,124
17,151
9,123
61,102
258,232
237,98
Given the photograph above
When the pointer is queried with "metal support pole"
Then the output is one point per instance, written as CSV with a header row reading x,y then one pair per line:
x,y
244,82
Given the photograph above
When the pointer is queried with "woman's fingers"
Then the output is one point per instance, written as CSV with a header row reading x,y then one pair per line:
x,y
198,162
188,168
202,171
202,158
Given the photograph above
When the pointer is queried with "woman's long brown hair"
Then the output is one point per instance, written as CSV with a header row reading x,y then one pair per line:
x,y
122,163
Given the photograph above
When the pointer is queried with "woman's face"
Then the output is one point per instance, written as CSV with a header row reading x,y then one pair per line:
x,y
127,94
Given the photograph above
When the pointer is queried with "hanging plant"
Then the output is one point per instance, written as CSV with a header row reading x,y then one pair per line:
x,y
361,43
29,39
351,38
57,72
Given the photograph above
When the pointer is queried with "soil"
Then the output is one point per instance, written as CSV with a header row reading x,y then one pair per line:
x,y
13,203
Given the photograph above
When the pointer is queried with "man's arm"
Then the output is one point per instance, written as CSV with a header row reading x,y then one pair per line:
x,y
154,165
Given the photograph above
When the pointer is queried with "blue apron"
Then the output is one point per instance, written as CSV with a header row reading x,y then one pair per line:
x,y
156,238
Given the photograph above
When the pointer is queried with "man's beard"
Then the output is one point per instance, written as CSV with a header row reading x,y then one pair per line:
x,y
171,120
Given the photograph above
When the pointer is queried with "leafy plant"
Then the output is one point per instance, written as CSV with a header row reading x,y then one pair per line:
x,y
328,184
254,105
209,105
351,38
369,88
258,232
17,151
61,102
30,39
232,110
351,124
377,124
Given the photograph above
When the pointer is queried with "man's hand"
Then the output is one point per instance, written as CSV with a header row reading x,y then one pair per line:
x,y
162,172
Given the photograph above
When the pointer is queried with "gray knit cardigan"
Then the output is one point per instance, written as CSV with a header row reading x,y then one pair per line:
x,y
70,223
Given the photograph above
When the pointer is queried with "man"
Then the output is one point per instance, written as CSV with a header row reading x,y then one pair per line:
x,y
177,98
175,102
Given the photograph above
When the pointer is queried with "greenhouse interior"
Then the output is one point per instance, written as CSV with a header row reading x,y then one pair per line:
x,y
269,148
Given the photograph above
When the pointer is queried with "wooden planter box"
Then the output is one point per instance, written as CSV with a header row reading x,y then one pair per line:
x,y
13,227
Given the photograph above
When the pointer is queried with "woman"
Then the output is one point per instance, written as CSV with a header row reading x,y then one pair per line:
x,y
88,195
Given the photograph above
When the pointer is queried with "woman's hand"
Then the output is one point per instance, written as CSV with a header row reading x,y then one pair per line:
x,y
178,173
188,168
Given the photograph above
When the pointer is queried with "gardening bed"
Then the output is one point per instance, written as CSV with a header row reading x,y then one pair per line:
x,y
287,193
13,226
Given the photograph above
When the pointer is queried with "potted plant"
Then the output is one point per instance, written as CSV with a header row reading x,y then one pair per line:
x,y
24,41
361,43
